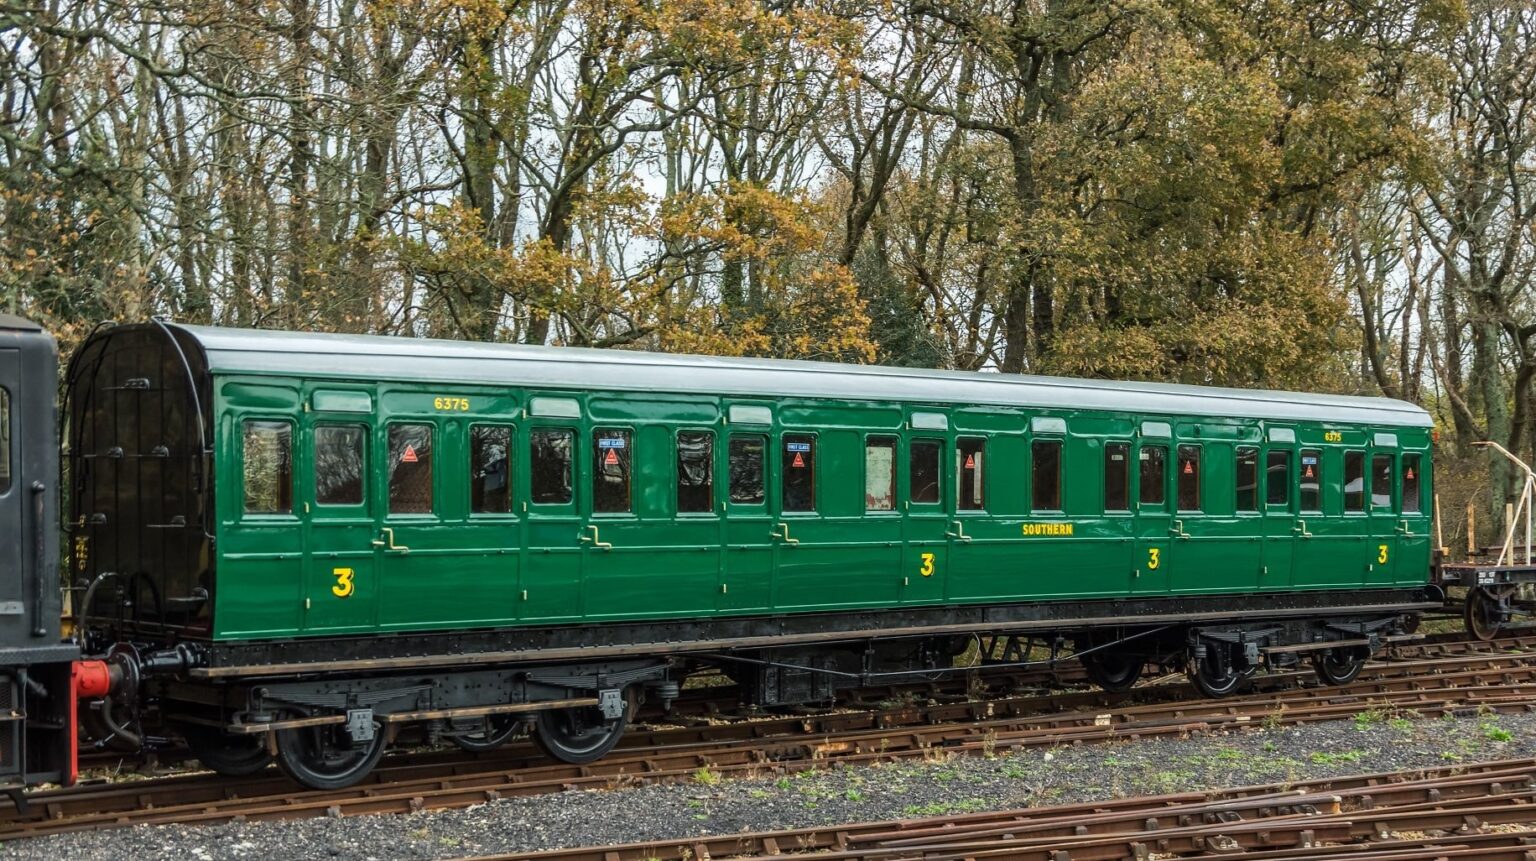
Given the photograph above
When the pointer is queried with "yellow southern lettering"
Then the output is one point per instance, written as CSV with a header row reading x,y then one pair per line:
x,y
1054,529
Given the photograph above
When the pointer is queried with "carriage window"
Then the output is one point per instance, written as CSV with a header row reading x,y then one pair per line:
x,y
268,467
923,459
970,476
5,442
1354,481
612,457
549,465
339,464
1311,480
1412,501
410,469
490,469
747,469
1045,469
1277,478
1154,470
1247,479
799,475
1381,481
880,473
695,471
1189,478
1117,476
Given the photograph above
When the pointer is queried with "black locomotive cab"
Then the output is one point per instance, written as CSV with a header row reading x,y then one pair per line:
x,y
37,712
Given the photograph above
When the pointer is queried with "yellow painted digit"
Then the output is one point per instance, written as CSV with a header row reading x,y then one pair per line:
x,y
1381,554
927,569
344,587
1154,558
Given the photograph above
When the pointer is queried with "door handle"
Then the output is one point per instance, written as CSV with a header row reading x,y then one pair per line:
x,y
784,537
1404,530
594,539
1177,530
388,541
959,533
1300,529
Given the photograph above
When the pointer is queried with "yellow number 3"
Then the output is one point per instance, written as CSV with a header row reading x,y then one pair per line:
x,y
1154,558
1381,554
344,587
927,569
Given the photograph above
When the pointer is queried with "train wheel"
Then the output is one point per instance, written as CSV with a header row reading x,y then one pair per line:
x,y
499,729
1113,671
229,755
1481,613
1216,676
1339,666
578,735
325,757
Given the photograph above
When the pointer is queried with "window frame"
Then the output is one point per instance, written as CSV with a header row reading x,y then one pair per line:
x,y
469,460
1198,473
1061,468
293,488
631,446
1392,506
895,485
1289,484
761,505
364,436
985,470
1322,473
937,503
1418,480
435,438
1128,484
1365,496
677,472
572,432
784,467
1159,505
1237,477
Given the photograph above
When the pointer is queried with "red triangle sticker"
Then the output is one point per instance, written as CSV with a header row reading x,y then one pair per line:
x,y
612,458
1189,467
1410,472
798,461
409,456
1309,471
970,462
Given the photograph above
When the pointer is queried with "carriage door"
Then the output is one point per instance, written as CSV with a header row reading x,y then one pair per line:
x,y
925,568
1385,522
1282,526
12,498
1149,567
340,561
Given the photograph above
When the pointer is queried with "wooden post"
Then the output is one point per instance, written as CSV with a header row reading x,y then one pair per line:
x,y
1439,528
1471,529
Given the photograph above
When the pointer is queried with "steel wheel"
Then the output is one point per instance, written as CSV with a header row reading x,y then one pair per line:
x,y
325,757
499,729
1113,671
1339,666
1481,613
229,755
1215,676
579,735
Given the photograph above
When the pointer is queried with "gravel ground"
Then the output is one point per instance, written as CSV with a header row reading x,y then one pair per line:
x,y
1371,742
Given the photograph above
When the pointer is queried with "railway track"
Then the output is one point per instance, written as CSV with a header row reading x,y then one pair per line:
x,y
1469,680
1479,811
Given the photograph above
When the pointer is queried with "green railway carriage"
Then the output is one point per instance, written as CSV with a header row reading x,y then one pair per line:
x,y
582,525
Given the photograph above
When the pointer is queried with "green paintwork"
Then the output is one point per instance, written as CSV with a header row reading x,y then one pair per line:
x,y
277,573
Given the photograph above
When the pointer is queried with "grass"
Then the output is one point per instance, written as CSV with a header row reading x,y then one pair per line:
x,y
1325,758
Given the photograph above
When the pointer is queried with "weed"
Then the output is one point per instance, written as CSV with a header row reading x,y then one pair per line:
x,y
1324,758
707,776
